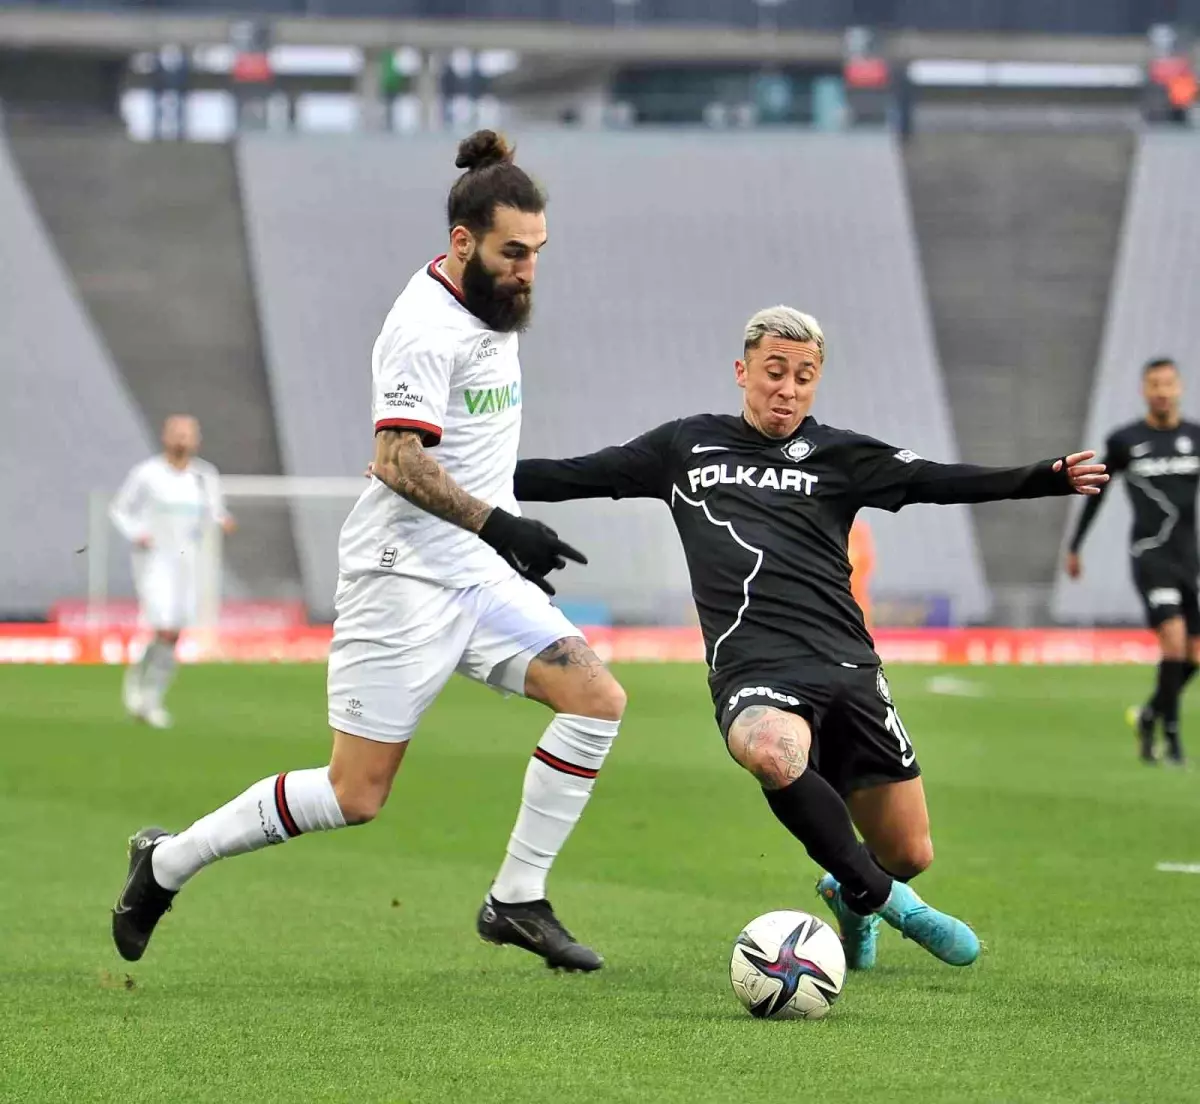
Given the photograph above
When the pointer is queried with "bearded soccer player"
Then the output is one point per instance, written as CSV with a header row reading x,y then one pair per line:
x,y
438,573
163,509
763,502
1159,457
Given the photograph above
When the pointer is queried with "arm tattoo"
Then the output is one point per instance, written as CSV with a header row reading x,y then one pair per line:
x,y
402,464
572,651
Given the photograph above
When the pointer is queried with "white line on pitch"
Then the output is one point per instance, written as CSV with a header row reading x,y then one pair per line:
x,y
1178,868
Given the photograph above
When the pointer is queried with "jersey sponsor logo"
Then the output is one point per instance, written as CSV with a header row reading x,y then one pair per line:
x,y
1153,466
906,456
486,349
402,397
492,400
881,684
762,692
709,448
742,475
798,449
1164,596
1183,444
1140,449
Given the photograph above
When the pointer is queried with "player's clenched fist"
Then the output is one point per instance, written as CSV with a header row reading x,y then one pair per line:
x,y
532,548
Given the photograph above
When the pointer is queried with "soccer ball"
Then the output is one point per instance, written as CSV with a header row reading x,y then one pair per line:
x,y
786,966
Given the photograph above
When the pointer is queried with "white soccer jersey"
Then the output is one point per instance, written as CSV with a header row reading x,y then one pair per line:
x,y
169,505
438,369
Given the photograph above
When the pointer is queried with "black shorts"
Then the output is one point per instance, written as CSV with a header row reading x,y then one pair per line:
x,y
858,739
1165,595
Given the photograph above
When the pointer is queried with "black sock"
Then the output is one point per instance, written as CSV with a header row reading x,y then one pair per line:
x,y
1172,674
812,811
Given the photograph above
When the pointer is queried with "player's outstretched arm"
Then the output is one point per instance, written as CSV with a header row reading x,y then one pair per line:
x,y
531,548
636,469
964,483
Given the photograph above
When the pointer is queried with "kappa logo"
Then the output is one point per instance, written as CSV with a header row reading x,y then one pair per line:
x,y
907,456
881,684
798,449
1183,444
762,692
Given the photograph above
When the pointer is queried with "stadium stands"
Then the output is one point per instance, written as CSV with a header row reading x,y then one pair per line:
x,y
1154,309
661,245
152,235
66,413
1018,233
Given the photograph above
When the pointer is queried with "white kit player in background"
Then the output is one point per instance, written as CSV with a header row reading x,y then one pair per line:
x,y
438,573
163,509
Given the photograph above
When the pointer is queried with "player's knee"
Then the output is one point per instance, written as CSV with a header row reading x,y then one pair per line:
x,y
770,745
607,701
913,857
360,803
602,698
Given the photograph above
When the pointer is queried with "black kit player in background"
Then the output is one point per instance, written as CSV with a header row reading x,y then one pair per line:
x,y
1159,456
763,502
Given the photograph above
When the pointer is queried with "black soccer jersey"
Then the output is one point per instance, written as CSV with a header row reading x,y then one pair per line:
x,y
765,522
1162,471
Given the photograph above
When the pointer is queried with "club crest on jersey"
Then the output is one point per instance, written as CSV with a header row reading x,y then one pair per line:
x,y
1183,444
798,449
881,684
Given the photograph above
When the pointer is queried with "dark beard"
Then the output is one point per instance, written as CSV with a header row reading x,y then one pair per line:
x,y
502,310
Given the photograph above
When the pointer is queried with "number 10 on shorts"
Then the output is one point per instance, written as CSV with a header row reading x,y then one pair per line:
x,y
896,727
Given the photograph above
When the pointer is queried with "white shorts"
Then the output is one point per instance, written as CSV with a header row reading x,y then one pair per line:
x,y
397,641
167,591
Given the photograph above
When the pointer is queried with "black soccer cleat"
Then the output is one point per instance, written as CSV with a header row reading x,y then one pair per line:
x,y
142,901
532,926
1174,754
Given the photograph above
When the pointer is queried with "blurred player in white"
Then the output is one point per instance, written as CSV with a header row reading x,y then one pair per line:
x,y
438,573
163,509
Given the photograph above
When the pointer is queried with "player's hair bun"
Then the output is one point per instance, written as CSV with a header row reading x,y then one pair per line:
x,y
483,148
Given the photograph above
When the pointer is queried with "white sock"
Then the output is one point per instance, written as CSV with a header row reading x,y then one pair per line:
x,y
158,671
558,783
270,811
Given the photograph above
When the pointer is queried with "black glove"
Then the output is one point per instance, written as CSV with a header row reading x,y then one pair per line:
x,y
532,549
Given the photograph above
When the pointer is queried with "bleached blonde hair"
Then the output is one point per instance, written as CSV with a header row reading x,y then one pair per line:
x,y
785,322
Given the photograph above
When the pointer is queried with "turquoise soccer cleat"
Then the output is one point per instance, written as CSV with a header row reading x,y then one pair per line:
x,y
859,933
940,934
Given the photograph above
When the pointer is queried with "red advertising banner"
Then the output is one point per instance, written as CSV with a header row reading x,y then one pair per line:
x,y
297,643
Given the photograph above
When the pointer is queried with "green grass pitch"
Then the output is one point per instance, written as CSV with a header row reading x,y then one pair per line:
x,y
345,967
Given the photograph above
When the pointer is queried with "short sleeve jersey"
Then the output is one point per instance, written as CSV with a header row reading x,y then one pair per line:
x,y
438,370
169,506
